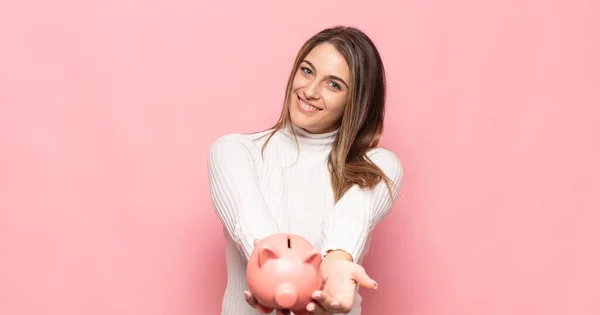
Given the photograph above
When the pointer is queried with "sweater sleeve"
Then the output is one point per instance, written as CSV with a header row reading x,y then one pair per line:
x,y
235,194
356,214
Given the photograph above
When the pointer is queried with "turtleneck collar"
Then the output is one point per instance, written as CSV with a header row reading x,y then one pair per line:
x,y
306,138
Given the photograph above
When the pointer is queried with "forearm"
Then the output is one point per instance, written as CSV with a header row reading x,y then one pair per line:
x,y
348,226
236,198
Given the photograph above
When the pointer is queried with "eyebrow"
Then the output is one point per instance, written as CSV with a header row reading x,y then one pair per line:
x,y
329,76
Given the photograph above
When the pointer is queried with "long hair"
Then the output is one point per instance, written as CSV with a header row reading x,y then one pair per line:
x,y
362,121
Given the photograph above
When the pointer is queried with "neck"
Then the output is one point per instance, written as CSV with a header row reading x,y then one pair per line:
x,y
310,140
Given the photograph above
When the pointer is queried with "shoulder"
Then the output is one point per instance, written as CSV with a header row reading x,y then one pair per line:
x,y
383,156
237,143
230,143
387,161
241,138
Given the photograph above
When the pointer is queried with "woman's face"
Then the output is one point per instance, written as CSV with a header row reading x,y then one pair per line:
x,y
320,90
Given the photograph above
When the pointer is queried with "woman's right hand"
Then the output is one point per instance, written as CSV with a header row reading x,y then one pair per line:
x,y
260,308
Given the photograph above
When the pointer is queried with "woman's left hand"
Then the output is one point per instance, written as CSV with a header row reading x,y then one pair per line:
x,y
337,295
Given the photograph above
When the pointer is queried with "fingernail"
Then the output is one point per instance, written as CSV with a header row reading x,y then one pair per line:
x,y
247,295
317,295
375,284
335,304
310,307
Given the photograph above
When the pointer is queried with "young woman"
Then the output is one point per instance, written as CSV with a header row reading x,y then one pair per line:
x,y
318,172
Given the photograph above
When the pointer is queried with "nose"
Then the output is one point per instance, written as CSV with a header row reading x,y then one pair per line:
x,y
312,90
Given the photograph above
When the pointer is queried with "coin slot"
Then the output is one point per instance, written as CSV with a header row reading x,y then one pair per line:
x,y
289,242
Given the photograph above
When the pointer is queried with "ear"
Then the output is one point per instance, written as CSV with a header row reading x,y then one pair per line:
x,y
314,258
265,253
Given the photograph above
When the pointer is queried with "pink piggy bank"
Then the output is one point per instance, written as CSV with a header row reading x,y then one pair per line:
x,y
283,272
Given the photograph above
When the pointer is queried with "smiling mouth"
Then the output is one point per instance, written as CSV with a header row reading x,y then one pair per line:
x,y
306,106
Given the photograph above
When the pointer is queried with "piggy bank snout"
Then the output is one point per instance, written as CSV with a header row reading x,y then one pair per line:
x,y
286,296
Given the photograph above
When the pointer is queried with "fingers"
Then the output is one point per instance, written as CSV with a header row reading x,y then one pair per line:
x,y
325,278
250,299
315,309
256,241
254,303
262,309
363,280
323,301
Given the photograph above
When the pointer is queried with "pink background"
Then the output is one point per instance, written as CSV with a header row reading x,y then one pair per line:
x,y
108,109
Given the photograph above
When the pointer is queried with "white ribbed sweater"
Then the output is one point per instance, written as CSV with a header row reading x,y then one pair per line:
x,y
289,190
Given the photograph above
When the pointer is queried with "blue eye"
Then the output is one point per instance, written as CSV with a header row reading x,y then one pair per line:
x,y
306,70
335,86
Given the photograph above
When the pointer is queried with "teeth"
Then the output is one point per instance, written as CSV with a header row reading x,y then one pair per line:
x,y
306,106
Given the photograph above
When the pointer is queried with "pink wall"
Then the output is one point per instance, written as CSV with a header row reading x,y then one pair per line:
x,y
108,109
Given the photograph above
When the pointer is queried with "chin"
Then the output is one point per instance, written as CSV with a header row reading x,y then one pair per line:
x,y
307,126
299,120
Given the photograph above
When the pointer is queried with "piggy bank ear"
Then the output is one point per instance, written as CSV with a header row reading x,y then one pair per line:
x,y
314,258
265,253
